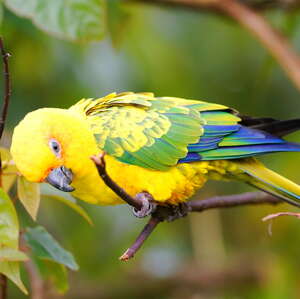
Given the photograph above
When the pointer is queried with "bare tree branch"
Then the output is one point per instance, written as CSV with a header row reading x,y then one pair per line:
x,y
37,285
6,98
3,286
229,201
145,233
277,45
164,212
101,167
7,86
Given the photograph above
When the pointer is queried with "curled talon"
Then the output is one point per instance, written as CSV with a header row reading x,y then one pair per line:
x,y
148,205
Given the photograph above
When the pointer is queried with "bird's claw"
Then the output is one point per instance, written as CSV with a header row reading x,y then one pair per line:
x,y
148,206
171,212
179,211
162,212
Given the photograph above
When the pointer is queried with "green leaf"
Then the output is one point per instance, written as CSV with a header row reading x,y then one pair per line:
x,y
9,254
9,239
72,205
44,246
54,272
75,20
29,195
12,271
9,225
9,169
118,19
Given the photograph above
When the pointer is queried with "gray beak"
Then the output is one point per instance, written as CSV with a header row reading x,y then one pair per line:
x,y
61,178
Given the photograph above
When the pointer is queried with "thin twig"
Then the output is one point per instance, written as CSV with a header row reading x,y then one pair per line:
x,y
145,233
101,167
37,286
3,286
7,87
162,213
273,40
273,216
278,46
6,99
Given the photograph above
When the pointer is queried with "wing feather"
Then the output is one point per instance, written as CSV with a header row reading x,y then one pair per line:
x,y
157,133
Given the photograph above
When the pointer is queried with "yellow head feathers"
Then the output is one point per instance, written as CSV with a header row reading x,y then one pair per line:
x,y
49,138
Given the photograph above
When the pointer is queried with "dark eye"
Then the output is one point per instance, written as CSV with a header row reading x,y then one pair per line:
x,y
54,146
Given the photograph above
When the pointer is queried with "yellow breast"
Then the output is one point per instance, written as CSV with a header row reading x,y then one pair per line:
x,y
172,186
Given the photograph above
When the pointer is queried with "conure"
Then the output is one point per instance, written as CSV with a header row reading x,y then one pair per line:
x,y
166,146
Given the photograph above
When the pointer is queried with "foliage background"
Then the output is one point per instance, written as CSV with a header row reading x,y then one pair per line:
x,y
217,254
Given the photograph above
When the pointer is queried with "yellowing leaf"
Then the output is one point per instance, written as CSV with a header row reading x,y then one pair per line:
x,y
12,271
72,205
9,169
9,239
12,255
9,225
29,195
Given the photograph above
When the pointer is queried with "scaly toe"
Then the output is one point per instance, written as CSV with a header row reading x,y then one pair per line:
x,y
148,205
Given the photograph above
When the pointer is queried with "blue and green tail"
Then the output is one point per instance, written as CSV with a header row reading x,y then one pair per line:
x,y
242,140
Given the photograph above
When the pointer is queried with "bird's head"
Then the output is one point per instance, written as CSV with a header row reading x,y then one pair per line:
x,y
48,145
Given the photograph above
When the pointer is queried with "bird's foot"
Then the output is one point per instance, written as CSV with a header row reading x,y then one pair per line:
x,y
148,207
162,212
170,213
179,211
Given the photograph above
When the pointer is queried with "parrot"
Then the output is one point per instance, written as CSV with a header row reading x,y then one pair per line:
x,y
168,147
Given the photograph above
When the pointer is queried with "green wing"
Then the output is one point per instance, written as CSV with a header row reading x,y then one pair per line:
x,y
143,130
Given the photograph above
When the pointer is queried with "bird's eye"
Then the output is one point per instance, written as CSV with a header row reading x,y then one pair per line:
x,y
55,147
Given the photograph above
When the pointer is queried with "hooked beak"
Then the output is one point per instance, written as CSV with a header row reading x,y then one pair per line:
x,y
61,178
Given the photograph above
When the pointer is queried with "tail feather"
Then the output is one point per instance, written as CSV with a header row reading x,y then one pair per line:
x,y
273,126
280,127
270,181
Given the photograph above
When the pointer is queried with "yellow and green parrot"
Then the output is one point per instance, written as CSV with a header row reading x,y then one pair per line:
x,y
166,146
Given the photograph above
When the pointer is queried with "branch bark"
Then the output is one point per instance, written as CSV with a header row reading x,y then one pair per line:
x,y
145,233
163,212
6,99
229,201
7,87
101,167
273,40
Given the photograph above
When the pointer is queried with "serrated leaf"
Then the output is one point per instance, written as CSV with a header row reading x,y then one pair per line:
x,y
72,205
9,169
44,246
12,255
76,20
9,239
54,272
29,195
118,19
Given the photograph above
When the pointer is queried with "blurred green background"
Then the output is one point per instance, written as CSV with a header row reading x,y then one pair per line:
x,y
216,254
